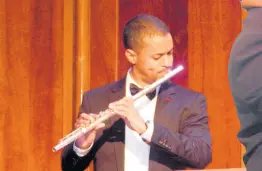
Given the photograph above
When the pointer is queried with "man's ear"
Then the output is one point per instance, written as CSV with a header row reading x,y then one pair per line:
x,y
131,56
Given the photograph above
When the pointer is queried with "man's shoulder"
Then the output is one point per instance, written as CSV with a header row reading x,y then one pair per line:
x,y
187,91
102,90
189,94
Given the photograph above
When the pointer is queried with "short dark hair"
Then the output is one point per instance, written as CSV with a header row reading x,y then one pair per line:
x,y
141,26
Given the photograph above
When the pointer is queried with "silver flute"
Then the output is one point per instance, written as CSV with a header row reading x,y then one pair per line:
x,y
105,115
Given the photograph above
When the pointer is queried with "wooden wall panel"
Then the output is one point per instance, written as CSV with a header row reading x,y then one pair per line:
x,y
68,66
82,49
173,13
104,42
213,26
32,83
3,87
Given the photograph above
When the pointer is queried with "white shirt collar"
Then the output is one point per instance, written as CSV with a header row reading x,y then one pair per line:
x,y
130,80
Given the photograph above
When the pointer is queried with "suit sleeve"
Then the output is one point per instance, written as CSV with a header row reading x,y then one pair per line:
x,y
192,145
245,68
69,159
246,86
246,83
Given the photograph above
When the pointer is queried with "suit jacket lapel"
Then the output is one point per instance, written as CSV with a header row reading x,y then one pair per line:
x,y
118,126
166,94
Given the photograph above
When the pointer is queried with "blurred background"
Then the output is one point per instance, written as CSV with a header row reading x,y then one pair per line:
x,y
51,51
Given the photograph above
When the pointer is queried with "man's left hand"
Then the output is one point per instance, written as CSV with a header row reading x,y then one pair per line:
x,y
126,110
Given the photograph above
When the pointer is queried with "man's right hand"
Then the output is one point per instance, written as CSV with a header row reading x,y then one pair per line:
x,y
85,141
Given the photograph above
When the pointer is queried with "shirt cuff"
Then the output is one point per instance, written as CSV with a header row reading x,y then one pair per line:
x,y
81,152
147,135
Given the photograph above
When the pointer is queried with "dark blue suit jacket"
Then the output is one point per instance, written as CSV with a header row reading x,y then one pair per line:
x,y
245,77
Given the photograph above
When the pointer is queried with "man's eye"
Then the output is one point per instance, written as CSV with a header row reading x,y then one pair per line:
x,y
156,57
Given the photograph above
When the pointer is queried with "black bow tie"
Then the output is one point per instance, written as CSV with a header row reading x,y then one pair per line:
x,y
134,90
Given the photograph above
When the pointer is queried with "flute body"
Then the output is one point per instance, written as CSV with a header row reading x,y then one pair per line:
x,y
105,115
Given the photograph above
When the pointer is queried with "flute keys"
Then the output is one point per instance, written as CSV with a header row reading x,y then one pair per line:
x,y
101,114
83,130
92,120
111,111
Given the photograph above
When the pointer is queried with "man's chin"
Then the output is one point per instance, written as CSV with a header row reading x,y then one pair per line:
x,y
158,76
162,74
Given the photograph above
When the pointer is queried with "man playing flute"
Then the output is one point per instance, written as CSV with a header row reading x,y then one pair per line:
x,y
163,131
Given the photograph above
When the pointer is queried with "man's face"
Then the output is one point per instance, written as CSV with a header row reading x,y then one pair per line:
x,y
154,58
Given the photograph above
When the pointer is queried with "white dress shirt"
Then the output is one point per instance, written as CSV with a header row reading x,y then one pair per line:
x,y
136,149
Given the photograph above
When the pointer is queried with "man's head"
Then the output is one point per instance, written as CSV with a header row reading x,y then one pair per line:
x,y
149,48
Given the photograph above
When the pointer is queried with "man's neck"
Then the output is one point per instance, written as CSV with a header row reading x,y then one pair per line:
x,y
138,79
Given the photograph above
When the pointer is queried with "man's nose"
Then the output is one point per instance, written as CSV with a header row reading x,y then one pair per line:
x,y
168,60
